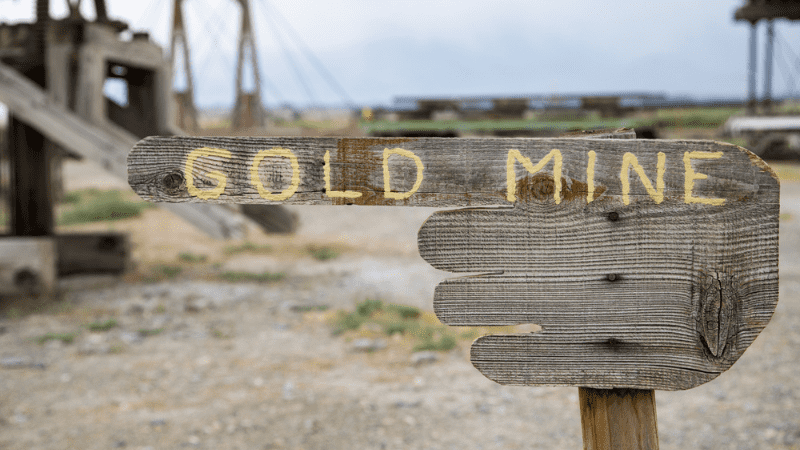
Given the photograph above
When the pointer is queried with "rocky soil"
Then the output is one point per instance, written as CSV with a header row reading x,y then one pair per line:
x,y
196,362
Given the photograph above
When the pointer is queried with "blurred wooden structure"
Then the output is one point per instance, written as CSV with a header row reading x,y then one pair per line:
x,y
186,111
248,111
754,11
54,75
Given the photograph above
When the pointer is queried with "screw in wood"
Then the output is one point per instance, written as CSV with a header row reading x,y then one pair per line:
x,y
613,216
611,277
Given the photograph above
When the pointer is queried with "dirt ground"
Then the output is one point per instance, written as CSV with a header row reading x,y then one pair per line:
x,y
196,362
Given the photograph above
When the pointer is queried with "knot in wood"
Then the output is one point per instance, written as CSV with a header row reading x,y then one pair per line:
x,y
718,314
537,187
172,182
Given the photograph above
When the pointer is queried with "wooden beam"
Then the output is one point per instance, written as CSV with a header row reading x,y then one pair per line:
x,y
32,106
31,197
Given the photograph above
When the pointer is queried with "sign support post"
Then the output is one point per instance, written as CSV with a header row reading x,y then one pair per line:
x,y
623,419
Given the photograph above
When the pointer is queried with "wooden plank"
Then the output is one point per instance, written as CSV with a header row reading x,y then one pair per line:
x,y
106,145
619,419
652,266
455,172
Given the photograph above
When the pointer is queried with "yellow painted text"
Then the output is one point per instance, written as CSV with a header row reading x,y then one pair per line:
x,y
216,191
256,180
328,191
590,177
387,190
629,160
691,175
511,175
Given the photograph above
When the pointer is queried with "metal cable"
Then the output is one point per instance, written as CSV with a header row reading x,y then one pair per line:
x,y
287,54
309,54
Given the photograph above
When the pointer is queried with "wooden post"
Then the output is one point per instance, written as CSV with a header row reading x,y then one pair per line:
x,y
31,199
618,419
768,57
188,114
248,110
752,69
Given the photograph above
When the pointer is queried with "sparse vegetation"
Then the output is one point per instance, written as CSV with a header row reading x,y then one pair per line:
x,y
421,329
13,313
240,277
247,247
102,325
443,343
192,258
145,332
323,253
694,117
394,319
310,308
167,271
94,205
704,118
66,338
71,198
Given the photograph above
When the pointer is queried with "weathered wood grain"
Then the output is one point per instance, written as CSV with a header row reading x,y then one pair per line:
x,y
656,281
619,419
457,172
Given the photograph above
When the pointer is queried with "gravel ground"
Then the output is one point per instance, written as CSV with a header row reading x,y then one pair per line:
x,y
247,366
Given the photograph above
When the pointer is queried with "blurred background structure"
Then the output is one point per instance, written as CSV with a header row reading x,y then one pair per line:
x,y
54,79
84,85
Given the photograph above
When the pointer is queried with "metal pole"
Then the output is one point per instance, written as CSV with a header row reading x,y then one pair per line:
x,y
768,66
752,68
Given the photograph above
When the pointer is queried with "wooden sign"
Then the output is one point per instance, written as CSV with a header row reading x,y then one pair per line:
x,y
648,264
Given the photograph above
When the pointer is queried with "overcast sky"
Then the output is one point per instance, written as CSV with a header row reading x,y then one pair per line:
x,y
379,50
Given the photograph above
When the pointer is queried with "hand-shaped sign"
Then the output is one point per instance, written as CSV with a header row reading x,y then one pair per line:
x,y
648,264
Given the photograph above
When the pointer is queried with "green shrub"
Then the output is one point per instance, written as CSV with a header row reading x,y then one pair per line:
x,y
446,342
167,270
95,206
102,326
66,338
144,332
323,253
240,277
347,321
368,307
406,312
395,319
192,258
247,247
